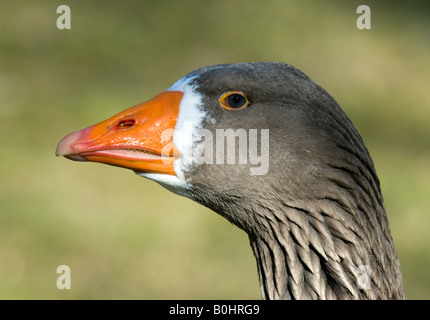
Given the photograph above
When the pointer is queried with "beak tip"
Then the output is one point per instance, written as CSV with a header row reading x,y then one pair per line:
x,y
66,147
60,149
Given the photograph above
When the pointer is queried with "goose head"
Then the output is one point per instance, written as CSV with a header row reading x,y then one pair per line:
x,y
267,148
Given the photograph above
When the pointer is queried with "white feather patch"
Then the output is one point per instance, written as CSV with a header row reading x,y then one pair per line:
x,y
171,183
190,120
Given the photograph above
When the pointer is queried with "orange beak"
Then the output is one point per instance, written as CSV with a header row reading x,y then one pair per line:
x,y
139,138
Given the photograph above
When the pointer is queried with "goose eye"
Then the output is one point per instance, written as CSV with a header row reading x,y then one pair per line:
x,y
233,100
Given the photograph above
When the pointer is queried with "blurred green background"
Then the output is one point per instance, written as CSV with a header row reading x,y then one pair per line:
x,y
126,237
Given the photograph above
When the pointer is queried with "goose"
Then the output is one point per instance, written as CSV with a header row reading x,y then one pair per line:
x,y
271,151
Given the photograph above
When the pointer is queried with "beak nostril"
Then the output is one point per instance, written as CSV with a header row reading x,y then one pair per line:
x,y
126,123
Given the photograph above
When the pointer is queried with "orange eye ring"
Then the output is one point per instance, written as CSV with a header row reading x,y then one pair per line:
x,y
233,100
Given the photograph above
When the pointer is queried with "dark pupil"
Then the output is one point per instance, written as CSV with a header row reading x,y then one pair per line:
x,y
236,101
